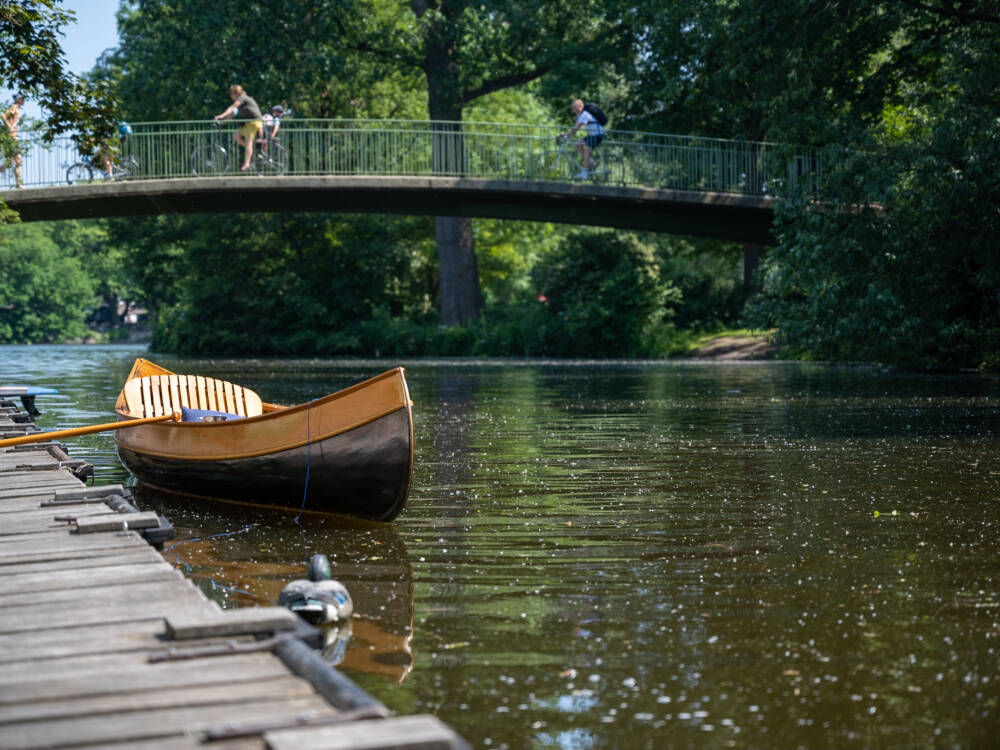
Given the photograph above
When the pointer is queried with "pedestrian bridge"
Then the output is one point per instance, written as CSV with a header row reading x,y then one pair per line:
x,y
643,181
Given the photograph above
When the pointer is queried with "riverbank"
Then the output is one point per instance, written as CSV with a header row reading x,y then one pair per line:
x,y
735,346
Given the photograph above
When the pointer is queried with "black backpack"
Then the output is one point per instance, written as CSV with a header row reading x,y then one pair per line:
x,y
597,113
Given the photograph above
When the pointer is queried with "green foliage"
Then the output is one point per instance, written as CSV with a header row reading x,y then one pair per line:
x,y
709,276
32,61
914,280
105,261
765,69
606,297
177,60
285,284
46,292
896,263
507,252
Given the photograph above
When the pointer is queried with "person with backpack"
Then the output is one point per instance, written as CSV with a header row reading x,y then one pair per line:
x,y
588,116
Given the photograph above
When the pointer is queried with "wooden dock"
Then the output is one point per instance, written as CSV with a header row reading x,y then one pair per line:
x,y
103,644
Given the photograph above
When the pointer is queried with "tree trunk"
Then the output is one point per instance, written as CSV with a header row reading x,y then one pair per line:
x,y
751,262
752,251
461,297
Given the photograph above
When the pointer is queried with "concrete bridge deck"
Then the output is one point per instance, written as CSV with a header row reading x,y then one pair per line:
x,y
725,216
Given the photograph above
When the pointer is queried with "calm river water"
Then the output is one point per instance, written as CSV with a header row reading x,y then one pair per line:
x,y
636,555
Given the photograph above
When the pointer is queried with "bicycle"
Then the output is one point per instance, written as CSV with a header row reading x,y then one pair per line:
x,y
85,171
269,156
567,163
211,157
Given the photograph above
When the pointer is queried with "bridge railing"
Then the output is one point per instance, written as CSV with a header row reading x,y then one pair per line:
x,y
478,150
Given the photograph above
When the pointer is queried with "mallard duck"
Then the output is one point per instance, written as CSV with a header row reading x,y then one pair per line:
x,y
318,599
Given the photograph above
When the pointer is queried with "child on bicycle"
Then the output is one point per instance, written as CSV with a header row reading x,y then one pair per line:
x,y
272,124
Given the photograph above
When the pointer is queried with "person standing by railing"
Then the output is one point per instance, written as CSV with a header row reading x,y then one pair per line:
x,y
595,134
245,106
12,119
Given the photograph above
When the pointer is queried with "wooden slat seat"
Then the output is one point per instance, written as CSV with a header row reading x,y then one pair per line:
x,y
156,395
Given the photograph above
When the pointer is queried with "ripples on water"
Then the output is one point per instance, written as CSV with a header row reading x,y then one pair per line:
x,y
634,555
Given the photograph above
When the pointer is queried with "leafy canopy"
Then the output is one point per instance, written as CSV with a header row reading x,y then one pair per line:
x,y
32,61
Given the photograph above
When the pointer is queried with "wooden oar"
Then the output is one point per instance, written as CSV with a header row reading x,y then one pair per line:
x,y
42,437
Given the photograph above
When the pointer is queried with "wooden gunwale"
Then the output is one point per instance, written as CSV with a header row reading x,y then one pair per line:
x,y
273,412
265,451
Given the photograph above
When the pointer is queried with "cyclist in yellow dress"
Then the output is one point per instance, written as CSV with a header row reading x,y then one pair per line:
x,y
245,106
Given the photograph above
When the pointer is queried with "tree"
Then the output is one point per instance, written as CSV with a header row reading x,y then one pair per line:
x,y
467,49
911,280
31,60
177,59
46,291
353,58
270,283
763,70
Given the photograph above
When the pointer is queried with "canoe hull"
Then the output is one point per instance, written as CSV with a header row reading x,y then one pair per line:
x,y
365,473
350,452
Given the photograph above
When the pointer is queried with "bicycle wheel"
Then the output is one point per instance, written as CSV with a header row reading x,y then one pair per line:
x,y
276,160
210,159
129,169
79,174
598,171
553,165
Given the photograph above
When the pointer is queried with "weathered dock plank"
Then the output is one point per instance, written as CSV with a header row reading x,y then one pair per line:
x,y
421,732
128,726
86,582
80,560
105,681
62,615
162,696
103,644
36,546
131,595
118,642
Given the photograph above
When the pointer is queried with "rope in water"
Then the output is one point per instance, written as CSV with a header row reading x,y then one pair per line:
x,y
187,566
305,489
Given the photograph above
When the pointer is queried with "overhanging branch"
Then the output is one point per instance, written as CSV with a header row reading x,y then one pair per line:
x,y
950,12
517,79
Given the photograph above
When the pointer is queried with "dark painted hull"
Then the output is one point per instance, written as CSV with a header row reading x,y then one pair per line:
x,y
363,473
350,452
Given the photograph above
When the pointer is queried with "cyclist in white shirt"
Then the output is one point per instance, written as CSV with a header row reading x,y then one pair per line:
x,y
595,134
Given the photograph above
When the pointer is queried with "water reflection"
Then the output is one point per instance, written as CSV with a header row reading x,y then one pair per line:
x,y
641,555
243,555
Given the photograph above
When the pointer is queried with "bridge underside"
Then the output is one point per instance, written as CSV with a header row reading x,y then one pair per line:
x,y
716,215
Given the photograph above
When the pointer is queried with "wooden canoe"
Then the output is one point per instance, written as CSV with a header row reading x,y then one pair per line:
x,y
350,452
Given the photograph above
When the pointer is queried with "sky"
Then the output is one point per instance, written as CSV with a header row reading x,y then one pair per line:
x,y
83,42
